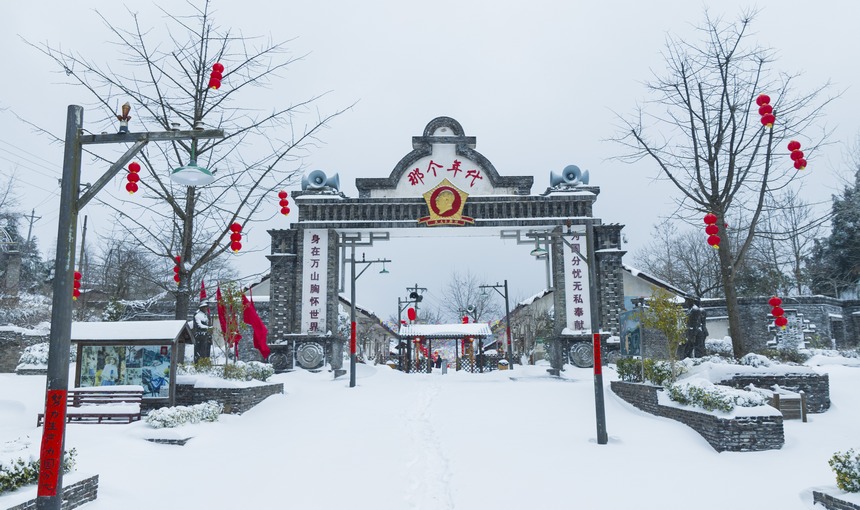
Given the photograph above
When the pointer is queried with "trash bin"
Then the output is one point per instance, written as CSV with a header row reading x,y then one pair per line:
x,y
503,364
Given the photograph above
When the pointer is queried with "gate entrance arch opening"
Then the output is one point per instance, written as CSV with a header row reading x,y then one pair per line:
x,y
443,183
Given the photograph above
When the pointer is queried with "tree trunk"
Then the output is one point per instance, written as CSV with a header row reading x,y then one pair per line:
x,y
183,294
727,275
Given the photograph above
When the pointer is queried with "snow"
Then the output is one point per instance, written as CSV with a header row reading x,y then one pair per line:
x,y
399,441
127,330
445,330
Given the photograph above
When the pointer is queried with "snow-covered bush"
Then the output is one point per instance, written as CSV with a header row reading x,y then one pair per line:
x,y
657,372
712,397
722,347
240,370
37,354
755,360
168,417
846,465
19,472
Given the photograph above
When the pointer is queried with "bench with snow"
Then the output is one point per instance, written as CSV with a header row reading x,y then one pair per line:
x,y
791,404
102,404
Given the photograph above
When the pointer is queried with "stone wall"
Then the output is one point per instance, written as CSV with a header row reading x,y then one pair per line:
x,y
12,345
816,386
74,495
235,400
740,434
832,503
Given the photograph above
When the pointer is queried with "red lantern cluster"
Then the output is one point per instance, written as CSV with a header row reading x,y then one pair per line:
x,y
176,269
76,286
284,203
765,110
412,314
777,312
712,229
132,177
796,155
215,77
236,237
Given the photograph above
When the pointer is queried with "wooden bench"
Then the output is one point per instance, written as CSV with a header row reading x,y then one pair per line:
x,y
102,404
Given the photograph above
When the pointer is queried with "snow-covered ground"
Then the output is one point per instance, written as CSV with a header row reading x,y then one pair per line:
x,y
504,440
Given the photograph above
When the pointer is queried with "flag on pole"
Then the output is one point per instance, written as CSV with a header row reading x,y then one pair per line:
x,y
222,314
252,318
202,291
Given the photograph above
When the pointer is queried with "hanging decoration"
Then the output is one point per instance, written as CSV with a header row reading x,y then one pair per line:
x,y
412,314
236,237
778,313
76,286
712,230
284,203
216,76
133,177
765,110
176,269
797,155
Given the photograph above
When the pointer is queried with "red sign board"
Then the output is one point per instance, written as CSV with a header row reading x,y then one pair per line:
x,y
598,368
51,456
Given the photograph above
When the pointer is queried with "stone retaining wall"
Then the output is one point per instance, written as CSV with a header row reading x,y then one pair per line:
x,y
832,503
816,386
739,434
74,495
12,345
235,400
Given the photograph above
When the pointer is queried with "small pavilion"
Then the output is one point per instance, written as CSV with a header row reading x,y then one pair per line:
x,y
422,336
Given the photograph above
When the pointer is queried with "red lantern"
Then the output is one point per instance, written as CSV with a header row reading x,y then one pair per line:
x,y
178,260
235,237
76,285
131,188
764,109
795,155
176,278
215,77
712,230
774,301
75,294
465,319
282,194
710,219
133,178
768,119
285,210
235,227
781,321
411,313
800,164
133,167
777,311
714,241
762,99
235,246
793,145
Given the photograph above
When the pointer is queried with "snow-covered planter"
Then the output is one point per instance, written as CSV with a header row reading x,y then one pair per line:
x,y
169,417
711,397
239,371
17,473
846,465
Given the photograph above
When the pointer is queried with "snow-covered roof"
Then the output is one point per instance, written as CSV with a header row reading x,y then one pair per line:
x,y
123,331
444,330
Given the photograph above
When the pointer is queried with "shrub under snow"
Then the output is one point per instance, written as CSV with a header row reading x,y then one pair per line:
x,y
722,347
17,473
168,417
846,465
755,360
37,354
240,370
707,395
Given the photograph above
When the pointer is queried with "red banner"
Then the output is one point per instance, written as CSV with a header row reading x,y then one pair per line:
x,y
51,456
598,369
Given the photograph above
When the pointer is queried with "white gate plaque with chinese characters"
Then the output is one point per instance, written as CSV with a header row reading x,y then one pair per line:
x,y
578,304
314,281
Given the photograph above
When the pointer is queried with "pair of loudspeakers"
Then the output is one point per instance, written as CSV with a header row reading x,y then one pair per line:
x,y
317,180
570,176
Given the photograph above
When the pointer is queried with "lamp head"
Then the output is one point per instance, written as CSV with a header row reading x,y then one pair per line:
x,y
192,175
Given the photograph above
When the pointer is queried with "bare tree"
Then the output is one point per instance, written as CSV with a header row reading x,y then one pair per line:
x,y
703,130
166,79
681,259
463,296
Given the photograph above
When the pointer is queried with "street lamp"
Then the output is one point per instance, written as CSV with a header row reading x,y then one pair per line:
x,y
49,494
496,288
353,240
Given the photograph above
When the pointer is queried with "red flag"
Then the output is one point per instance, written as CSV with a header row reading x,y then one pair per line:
x,y
222,314
202,291
252,318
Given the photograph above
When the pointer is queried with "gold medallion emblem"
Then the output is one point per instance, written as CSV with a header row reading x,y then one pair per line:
x,y
445,203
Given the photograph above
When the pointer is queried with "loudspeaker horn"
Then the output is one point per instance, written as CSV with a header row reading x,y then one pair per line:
x,y
571,176
317,179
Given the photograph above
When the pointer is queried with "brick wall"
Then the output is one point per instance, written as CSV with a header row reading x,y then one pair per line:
x,y
832,503
235,400
12,345
74,495
740,434
816,386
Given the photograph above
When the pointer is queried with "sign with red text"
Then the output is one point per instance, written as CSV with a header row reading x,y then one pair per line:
x,y
576,283
445,205
51,455
314,281
444,163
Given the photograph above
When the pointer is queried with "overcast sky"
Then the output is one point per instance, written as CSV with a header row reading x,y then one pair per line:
x,y
538,83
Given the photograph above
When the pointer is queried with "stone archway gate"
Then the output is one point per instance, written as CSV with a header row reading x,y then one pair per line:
x,y
442,182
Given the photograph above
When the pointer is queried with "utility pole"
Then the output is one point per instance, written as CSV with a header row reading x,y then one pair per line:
x,y
49,495
33,219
